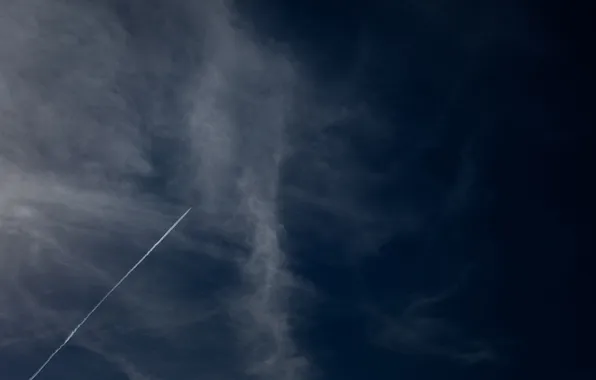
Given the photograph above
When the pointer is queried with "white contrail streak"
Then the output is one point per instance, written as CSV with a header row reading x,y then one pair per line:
x,y
74,331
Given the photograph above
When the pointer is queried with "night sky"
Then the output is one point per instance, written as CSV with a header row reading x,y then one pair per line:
x,y
380,190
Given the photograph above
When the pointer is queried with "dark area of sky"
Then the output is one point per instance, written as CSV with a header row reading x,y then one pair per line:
x,y
487,135
503,90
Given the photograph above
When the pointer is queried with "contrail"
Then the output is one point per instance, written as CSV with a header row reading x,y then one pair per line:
x,y
74,331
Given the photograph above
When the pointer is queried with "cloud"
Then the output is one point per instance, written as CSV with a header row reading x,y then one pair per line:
x,y
418,329
115,118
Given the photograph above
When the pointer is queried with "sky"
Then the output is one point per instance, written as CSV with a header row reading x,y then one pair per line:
x,y
379,190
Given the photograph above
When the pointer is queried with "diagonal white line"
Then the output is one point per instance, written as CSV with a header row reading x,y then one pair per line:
x,y
74,331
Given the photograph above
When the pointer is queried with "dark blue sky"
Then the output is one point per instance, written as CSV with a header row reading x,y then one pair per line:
x,y
435,203
490,136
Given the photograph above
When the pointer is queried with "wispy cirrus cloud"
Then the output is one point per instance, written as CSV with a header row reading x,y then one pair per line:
x,y
115,117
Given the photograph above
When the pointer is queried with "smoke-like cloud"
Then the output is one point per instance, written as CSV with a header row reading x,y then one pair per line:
x,y
114,118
